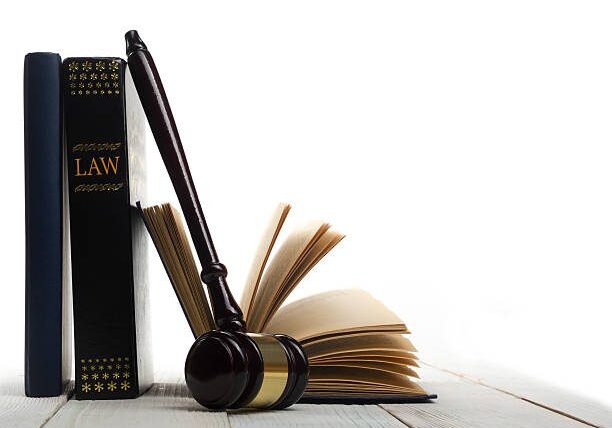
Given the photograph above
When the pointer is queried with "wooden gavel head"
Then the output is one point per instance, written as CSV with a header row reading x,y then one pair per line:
x,y
227,369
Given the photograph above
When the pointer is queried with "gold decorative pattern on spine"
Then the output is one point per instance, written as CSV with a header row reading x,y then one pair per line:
x,y
276,371
96,375
94,78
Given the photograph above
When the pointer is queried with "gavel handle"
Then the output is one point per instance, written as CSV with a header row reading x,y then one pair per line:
x,y
227,313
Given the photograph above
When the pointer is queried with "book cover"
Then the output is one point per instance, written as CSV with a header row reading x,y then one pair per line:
x,y
47,324
104,132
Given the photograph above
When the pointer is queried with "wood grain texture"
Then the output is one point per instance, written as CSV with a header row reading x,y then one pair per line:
x,y
465,404
587,410
164,405
314,415
19,411
461,403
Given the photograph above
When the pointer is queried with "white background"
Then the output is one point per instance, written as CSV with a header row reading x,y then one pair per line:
x,y
464,148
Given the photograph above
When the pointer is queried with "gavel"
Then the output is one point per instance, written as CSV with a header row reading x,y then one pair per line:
x,y
226,367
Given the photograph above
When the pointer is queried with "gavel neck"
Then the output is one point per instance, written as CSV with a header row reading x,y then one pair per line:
x,y
227,313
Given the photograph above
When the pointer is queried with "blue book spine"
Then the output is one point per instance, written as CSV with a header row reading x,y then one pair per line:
x,y
43,227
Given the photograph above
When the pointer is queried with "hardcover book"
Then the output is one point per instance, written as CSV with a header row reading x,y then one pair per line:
x,y
356,347
47,286
104,130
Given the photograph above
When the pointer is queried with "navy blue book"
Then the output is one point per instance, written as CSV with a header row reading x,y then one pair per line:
x,y
47,341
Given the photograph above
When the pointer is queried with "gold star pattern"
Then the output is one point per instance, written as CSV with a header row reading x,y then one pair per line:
x,y
83,76
86,387
84,368
126,375
92,367
114,65
99,387
100,367
111,386
93,76
109,367
115,375
104,76
125,385
94,376
100,65
84,376
87,65
105,376
82,360
115,76
73,76
74,66
127,366
117,366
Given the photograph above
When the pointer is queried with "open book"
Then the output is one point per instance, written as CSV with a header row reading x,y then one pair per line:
x,y
355,345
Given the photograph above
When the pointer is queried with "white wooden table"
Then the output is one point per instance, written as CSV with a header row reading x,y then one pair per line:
x,y
469,396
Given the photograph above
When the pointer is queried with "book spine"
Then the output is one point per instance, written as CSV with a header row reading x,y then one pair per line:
x,y
105,240
43,225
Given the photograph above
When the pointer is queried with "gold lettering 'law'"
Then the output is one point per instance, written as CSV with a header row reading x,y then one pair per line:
x,y
102,166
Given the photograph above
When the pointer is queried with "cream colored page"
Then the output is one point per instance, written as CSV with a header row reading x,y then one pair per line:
x,y
366,343
261,256
181,243
401,369
334,312
366,358
282,265
170,260
321,247
359,376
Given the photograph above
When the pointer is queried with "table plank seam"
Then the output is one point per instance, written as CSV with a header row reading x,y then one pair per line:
x,y
528,400
396,417
69,392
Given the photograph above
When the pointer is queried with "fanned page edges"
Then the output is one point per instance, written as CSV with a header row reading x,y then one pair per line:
x,y
261,256
170,238
355,345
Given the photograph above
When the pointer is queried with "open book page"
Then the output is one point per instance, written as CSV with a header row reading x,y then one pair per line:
x,y
374,358
282,266
321,247
170,239
261,256
386,344
333,313
359,380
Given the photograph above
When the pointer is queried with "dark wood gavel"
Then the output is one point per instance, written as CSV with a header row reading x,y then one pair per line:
x,y
228,367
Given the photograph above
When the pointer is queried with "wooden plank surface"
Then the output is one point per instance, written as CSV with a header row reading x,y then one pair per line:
x,y
317,415
587,410
465,404
166,404
462,403
19,411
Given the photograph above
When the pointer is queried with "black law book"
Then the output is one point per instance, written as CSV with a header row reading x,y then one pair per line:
x,y
47,320
104,130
